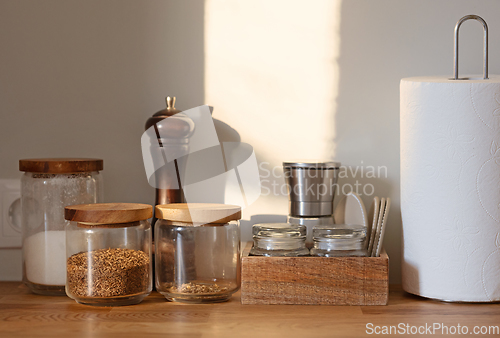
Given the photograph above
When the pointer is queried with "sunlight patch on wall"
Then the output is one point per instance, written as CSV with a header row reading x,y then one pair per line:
x,y
271,73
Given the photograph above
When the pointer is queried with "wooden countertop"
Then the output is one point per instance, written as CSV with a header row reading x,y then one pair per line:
x,y
23,314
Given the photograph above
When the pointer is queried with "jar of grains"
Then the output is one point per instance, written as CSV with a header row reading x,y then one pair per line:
x,y
197,251
108,253
47,186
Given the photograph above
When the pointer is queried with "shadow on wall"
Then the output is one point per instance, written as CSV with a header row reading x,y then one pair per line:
x,y
84,76
367,117
375,53
225,132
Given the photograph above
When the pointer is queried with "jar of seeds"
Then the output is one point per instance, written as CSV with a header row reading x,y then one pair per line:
x,y
197,251
47,186
108,253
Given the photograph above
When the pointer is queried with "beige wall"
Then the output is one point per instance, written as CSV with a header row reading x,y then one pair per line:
x,y
80,78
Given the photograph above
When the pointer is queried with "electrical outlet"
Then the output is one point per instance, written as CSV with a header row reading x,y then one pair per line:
x,y
10,213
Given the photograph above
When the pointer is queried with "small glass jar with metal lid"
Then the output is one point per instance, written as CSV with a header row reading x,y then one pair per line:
x,y
108,253
279,240
339,240
197,251
47,186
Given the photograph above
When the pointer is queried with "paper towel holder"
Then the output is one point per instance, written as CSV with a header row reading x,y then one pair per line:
x,y
485,45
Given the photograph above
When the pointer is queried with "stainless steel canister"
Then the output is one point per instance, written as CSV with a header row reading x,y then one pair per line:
x,y
311,187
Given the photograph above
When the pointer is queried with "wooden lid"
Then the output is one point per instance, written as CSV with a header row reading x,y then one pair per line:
x,y
60,165
198,212
108,213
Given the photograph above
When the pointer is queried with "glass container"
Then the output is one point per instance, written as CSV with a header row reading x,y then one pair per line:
x,y
47,186
279,240
197,251
310,223
108,253
339,240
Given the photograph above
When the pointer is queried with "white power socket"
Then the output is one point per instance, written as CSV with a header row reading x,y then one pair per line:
x,y
10,213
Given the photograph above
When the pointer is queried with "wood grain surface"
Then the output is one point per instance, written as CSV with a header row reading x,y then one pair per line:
x,y
198,212
60,165
102,213
23,314
314,280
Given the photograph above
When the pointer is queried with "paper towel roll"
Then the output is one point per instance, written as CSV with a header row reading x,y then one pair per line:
x,y
450,188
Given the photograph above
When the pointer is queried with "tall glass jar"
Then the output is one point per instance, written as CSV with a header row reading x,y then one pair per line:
x,y
197,251
108,253
47,186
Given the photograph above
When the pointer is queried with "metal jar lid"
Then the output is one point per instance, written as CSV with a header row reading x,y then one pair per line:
x,y
312,164
339,237
336,232
279,230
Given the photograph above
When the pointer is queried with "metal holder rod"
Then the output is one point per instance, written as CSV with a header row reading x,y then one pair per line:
x,y
485,45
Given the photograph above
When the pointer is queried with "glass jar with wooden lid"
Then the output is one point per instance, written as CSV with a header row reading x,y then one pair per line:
x,y
197,251
47,186
108,253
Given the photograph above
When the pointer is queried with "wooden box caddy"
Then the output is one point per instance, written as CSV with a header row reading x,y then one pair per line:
x,y
314,280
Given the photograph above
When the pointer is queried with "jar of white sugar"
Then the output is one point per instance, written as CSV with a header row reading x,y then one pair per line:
x,y
47,186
